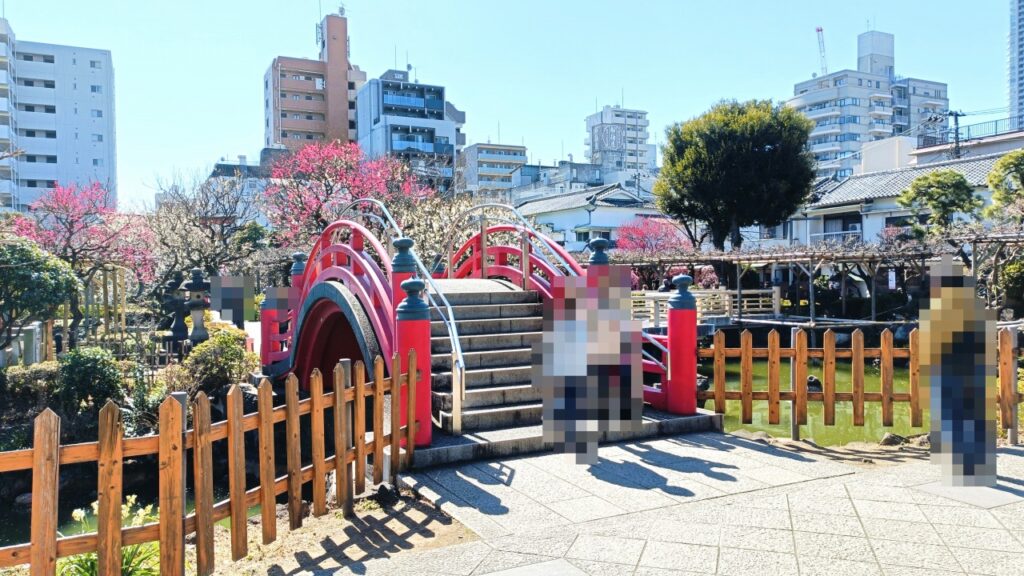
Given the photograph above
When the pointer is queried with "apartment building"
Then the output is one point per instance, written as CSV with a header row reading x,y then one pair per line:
x,y
413,122
308,100
617,140
57,109
851,108
1016,60
489,167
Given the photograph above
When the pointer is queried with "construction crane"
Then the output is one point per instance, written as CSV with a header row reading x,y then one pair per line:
x,y
821,50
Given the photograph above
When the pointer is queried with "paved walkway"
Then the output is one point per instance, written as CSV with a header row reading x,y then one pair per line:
x,y
713,504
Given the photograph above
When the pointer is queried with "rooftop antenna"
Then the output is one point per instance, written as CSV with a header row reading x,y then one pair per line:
x,y
499,131
821,50
341,8
396,56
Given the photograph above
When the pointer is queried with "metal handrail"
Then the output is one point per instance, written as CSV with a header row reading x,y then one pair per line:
x,y
536,247
522,221
458,361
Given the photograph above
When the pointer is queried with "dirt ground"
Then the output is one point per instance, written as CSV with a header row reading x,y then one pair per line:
x,y
381,527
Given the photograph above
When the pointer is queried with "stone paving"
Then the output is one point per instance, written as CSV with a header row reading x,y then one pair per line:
x,y
713,504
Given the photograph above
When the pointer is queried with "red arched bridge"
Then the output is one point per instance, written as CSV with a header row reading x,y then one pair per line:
x,y
485,299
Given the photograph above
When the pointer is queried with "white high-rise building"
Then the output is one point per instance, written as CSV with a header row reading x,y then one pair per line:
x,y
853,107
617,141
1016,58
57,109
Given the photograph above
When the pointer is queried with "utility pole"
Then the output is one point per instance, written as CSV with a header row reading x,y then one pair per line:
x,y
956,132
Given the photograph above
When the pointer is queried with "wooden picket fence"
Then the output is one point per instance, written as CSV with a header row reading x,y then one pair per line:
x,y
346,404
800,353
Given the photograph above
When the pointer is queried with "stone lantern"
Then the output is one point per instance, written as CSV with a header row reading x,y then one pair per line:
x,y
198,302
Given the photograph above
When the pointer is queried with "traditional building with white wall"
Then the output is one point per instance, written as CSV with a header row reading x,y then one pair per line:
x,y
574,218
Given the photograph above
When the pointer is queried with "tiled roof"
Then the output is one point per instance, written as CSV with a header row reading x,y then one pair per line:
x,y
890,183
578,199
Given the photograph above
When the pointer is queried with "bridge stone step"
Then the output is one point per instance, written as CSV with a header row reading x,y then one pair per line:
x,y
508,416
487,326
490,311
489,396
484,298
441,381
484,359
443,344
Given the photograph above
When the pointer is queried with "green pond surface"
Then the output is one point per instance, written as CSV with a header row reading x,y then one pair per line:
x,y
843,431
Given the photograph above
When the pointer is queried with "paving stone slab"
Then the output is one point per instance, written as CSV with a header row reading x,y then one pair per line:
x,y
557,567
739,562
978,496
606,549
815,566
673,555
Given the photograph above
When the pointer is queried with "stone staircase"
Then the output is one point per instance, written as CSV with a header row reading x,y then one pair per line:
x,y
501,416
497,329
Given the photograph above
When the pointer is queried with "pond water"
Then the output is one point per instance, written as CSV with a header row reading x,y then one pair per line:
x,y
843,431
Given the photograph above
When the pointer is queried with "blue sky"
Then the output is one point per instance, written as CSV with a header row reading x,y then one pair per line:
x,y
189,73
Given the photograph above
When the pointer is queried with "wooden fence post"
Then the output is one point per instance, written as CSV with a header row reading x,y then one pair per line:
x,y
202,458
342,469
294,452
773,377
1008,383
916,415
378,419
719,344
396,418
829,377
886,377
800,358
236,475
746,376
172,490
316,426
108,489
359,427
45,477
857,375
268,475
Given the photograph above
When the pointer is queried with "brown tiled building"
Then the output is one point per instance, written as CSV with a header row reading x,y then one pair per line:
x,y
308,100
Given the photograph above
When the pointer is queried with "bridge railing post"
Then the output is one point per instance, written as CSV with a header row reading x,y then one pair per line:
x,y
403,266
681,392
413,325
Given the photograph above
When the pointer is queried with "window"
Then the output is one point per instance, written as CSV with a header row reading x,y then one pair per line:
x,y
49,84
296,97
96,89
51,134
283,95
96,113
284,114
352,124
95,64
351,85
583,236
878,84
51,159
308,97
50,109
351,105
296,77
97,161
28,108
97,137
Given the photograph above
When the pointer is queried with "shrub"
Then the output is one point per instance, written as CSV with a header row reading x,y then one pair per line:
x,y
88,378
220,361
1011,280
36,383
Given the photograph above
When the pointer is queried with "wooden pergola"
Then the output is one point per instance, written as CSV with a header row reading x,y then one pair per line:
x,y
809,260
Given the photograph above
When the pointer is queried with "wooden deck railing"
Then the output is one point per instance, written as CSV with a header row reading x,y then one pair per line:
x,y
345,403
653,306
798,393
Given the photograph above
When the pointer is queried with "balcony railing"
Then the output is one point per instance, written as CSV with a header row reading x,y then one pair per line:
x,y
972,132
837,237
502,157
427,147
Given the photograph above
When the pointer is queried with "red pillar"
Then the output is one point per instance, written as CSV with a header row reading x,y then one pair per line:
x,y
681,384
413,323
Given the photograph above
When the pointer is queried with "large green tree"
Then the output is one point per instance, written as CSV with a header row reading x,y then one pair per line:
x,y
1007,183
32,284
736,165
945,196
